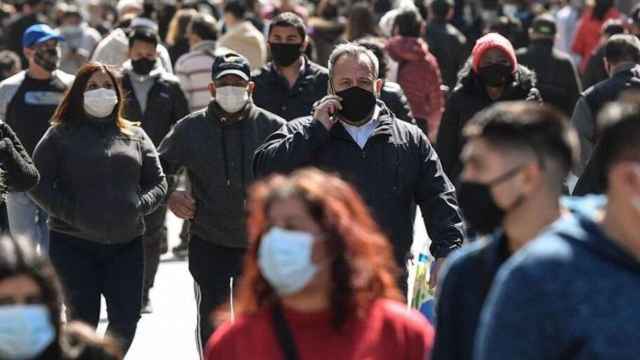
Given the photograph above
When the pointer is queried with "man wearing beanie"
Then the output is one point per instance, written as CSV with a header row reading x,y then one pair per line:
x,y
491,75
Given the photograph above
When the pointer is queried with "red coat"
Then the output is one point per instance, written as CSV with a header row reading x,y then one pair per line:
x,y
419,77
588,34
389,331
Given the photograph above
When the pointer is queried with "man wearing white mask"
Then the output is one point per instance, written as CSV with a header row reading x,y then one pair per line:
x,y
215,145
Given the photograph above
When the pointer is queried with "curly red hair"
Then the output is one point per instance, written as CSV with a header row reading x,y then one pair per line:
x,y
362,268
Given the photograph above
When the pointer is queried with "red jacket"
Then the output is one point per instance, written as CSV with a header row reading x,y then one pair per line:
x,y
389,331
419,77
588,34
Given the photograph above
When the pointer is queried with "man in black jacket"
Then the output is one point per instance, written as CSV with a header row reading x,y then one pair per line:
x,y
446,42
215,146
558,80
390,162
492,75
622,60
290,84
155,99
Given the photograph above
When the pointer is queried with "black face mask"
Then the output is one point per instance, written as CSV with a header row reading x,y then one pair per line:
x,y
357,105
496,75
47,58
143,66
479,208
285,54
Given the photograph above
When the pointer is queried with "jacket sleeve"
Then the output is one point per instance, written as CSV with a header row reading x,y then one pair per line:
x,y
185,81
583,121
449,143
50,193
574,88
435,100
153,183
20,172
180,104
174,152
291,147
436,197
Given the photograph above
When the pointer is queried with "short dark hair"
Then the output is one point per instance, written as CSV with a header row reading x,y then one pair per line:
x,y
237,8
376,45
408,21
622,47
145,35
531,127
204,26
440,9
619,124
613,27
288,19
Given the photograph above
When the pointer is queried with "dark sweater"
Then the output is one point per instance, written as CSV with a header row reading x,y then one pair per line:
x,y
571,294
97,182
217,154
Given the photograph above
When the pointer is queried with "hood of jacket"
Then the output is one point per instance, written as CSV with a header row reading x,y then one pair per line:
x,y
583,230
402,48
468,81
493,41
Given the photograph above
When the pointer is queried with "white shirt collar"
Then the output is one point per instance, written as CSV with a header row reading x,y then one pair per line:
x,y
362,133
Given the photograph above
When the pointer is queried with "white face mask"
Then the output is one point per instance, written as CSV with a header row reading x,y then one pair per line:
x,y
100,102
232,98
284,259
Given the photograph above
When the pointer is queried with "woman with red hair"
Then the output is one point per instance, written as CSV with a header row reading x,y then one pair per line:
x,y
319,280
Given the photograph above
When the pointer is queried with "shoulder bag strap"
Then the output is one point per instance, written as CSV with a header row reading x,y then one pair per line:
x,y
283,334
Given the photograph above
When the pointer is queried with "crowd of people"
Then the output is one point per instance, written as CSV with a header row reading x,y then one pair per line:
x,y
297,139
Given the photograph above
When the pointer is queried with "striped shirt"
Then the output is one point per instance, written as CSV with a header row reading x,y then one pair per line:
x,y
194,71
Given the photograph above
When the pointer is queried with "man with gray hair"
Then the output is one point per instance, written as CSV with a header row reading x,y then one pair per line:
x,y
390,162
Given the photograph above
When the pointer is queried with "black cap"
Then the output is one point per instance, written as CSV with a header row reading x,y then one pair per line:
x,y
544,25
230,63
440,2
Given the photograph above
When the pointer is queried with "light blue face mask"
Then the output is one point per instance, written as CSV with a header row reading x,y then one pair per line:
x,y
25,331
284,258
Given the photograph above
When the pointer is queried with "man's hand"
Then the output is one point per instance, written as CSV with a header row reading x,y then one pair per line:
x,y
182,204
435,270
325,109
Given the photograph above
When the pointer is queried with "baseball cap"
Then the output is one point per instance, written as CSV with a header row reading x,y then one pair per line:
x,y
544,25
230,64
39,33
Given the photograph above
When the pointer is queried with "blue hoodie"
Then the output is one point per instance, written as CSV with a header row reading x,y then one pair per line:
x,y
465,283
573,293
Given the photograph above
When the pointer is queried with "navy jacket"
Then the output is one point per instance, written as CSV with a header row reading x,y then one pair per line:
x,y
396,170
571,294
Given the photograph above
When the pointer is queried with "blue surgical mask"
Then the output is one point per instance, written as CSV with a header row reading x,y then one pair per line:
x,y
284,258
25,331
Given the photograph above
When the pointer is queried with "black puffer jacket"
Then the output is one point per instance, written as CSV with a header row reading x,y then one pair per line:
x,y
468,98
396,169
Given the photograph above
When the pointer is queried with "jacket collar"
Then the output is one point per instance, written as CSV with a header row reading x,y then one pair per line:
x,y
384,128
204,45
306,72
621,70
221,118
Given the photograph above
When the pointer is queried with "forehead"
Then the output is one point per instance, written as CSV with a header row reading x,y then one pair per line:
x,y
48,43
494,55
142,45
284,31
20,285
231,78
349,65
478,149
99,77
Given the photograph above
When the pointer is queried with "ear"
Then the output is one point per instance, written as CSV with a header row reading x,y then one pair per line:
x,y
305,43
212,89
28,52
251,87
606,67
532,176
377,87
